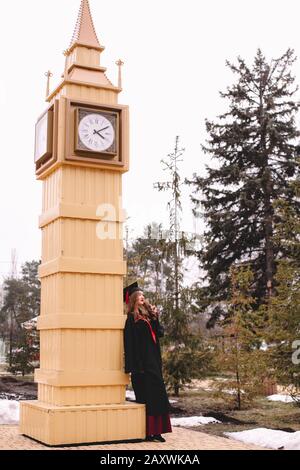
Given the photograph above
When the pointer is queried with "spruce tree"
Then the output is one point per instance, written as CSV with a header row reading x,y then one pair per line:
x,y
240,355
254,147
283,310
21,304
283,333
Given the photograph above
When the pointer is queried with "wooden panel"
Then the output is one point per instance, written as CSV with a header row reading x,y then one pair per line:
x,y
70,396
52,241
67,425
82,294
51,303
90,93
80,378
88,57
52,189
35,422
51,350
90,186
75,238
75,211
85,350
80,239
80,321
80,265
81,185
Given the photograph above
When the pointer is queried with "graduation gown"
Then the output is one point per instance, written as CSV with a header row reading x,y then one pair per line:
x,y
143,361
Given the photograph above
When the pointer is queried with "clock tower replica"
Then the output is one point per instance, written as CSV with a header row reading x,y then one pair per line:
x,y
81,152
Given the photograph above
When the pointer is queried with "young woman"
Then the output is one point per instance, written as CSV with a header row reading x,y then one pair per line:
x,y
143,361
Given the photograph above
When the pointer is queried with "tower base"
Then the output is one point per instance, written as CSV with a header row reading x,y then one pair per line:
x,y
59,425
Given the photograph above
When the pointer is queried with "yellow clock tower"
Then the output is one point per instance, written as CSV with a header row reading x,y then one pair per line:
x,y
81,152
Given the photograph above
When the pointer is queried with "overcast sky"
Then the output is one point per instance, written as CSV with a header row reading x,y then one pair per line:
x,y
174,53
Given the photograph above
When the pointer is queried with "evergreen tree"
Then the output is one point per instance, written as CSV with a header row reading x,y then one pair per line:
x,y
21,304
147,261
25,351
32,284
287,234
186,353
12,313
283,332
240,354
253,144
283,310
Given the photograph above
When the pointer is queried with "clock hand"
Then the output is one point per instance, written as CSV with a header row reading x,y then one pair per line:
x,y
97,132
104,128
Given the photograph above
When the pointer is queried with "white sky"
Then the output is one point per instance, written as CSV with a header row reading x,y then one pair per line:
x,y
174,53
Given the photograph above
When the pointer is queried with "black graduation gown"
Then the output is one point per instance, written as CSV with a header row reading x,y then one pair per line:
x,y
143,360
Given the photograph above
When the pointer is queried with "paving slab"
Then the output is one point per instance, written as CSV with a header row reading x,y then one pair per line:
x,y
179,439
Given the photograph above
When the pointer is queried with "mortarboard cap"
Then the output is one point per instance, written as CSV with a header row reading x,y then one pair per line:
x,y
127,291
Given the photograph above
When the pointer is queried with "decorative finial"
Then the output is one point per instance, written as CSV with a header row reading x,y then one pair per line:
x,y
48,75
120,64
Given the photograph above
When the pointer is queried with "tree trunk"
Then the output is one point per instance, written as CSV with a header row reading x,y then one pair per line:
x,y
238,389
268,189
269,250
10,339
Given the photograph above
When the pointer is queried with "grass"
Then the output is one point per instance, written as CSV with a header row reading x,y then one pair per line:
x,y
26,378
262,413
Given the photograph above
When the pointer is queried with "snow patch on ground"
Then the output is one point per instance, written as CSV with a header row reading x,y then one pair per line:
x,y
193,421
283,398
270,438
9,412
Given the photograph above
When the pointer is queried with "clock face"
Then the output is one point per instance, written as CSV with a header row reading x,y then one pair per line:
x,y
41,138
96,132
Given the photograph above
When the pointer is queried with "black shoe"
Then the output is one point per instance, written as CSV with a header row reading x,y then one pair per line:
x,y
159,438
149,438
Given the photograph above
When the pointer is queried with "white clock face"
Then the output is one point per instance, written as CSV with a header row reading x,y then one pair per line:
x,y
41,137
96,132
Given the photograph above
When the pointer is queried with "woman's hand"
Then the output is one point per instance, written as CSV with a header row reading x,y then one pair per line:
x,y
155,310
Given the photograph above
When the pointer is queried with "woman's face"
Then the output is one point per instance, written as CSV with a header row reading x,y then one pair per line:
x,y
140,299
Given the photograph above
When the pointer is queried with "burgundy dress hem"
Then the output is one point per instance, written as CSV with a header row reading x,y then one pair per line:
x,y
158,424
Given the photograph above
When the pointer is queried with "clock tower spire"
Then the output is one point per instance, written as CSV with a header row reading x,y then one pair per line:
x,y
83,57
84,32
